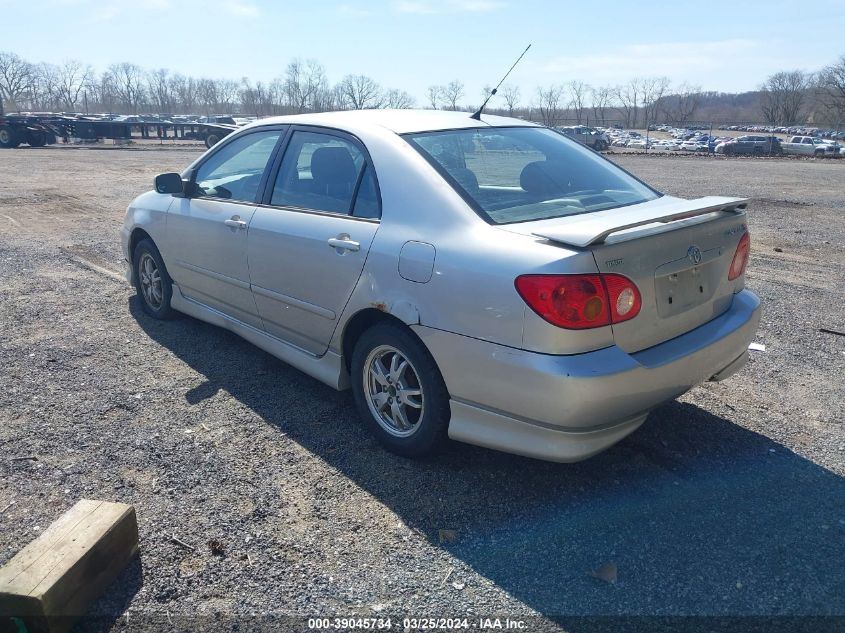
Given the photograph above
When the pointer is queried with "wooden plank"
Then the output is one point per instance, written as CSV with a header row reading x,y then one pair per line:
x,y
53,580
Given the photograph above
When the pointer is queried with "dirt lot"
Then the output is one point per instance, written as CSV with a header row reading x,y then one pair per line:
x,y
729,501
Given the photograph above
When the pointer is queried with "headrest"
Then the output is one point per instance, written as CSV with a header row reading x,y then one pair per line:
x,y
545,177
333,164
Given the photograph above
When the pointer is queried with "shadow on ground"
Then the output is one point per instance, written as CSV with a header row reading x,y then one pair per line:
x,y
699,515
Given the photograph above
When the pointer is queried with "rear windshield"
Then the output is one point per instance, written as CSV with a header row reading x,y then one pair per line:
x,y
527,173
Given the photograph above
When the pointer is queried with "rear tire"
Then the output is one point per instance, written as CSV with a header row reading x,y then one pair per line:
x,y
399,391
36,139
8,137
211,140
152,283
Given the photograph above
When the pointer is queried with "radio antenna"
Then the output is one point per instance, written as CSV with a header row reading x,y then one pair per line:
x,y
477,115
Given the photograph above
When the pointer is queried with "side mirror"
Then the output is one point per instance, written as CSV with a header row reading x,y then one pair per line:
x,y
169,183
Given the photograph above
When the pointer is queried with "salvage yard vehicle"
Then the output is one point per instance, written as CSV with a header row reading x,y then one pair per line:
x,y
809,146
590,137
16,129
751,144
539,301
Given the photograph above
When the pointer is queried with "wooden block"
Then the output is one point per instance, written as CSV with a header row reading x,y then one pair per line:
x,y
53,580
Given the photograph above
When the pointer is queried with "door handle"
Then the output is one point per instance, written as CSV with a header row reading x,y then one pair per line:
x,y
235,222
343,243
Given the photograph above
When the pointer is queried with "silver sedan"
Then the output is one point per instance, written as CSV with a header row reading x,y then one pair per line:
x,y
487,280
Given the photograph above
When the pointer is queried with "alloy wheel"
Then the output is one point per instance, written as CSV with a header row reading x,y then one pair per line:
x,y
393,391
150,277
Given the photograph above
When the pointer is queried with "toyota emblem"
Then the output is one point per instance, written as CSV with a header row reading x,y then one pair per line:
x,y
694,254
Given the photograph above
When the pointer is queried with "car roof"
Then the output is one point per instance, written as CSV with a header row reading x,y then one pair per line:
x,y
398,121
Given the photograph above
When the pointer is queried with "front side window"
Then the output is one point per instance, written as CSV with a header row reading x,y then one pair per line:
x,y
528,173
234,171
323,172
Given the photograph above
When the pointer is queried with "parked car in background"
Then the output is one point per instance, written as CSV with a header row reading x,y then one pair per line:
x,y
224,119
835,149
666,145
539,301
698,144
590,137
809,146
751,144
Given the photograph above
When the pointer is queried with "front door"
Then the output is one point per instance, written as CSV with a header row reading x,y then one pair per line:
x,y
207,233
307,247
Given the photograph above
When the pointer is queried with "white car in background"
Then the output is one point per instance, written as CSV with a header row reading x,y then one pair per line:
x,y
667,146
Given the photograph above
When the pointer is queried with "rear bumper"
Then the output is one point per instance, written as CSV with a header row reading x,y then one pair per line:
x,y
567,408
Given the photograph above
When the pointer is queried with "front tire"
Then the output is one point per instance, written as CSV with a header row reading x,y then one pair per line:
x,y
8,137
399,391
152,283
211,140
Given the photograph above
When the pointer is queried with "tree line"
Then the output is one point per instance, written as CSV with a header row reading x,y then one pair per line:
x,y
127,88
784,98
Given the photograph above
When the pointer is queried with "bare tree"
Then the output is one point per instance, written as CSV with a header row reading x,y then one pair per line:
x,y
325,97
302,82
104,90
207,95
652,90
264,96
452,93
15,79
248,97
681,106
73,77
434,93
548,103
628,97
600,101
227,95
783,95
127,82
398,99
831,85
184,92
158,84
44,88
510,93
361,92
578,91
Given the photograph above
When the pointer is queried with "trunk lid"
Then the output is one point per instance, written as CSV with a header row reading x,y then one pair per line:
x,y
676,251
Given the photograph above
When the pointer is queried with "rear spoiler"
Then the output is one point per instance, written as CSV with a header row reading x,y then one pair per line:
x,y
593,228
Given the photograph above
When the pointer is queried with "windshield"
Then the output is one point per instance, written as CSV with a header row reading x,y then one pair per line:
x,y
527,173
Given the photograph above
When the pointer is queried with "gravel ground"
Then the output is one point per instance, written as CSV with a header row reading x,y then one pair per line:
x,y
726,502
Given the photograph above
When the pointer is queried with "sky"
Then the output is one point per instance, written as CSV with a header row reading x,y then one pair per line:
x,y
720,45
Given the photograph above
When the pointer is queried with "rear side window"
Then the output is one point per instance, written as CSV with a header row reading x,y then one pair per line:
x,y
234,171
366,202
325,173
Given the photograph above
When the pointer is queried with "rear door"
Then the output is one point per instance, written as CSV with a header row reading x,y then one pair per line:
x,y
309,240
207,233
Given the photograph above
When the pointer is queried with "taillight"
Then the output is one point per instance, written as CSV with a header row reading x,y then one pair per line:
x,y
579,302
740,260
624,298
